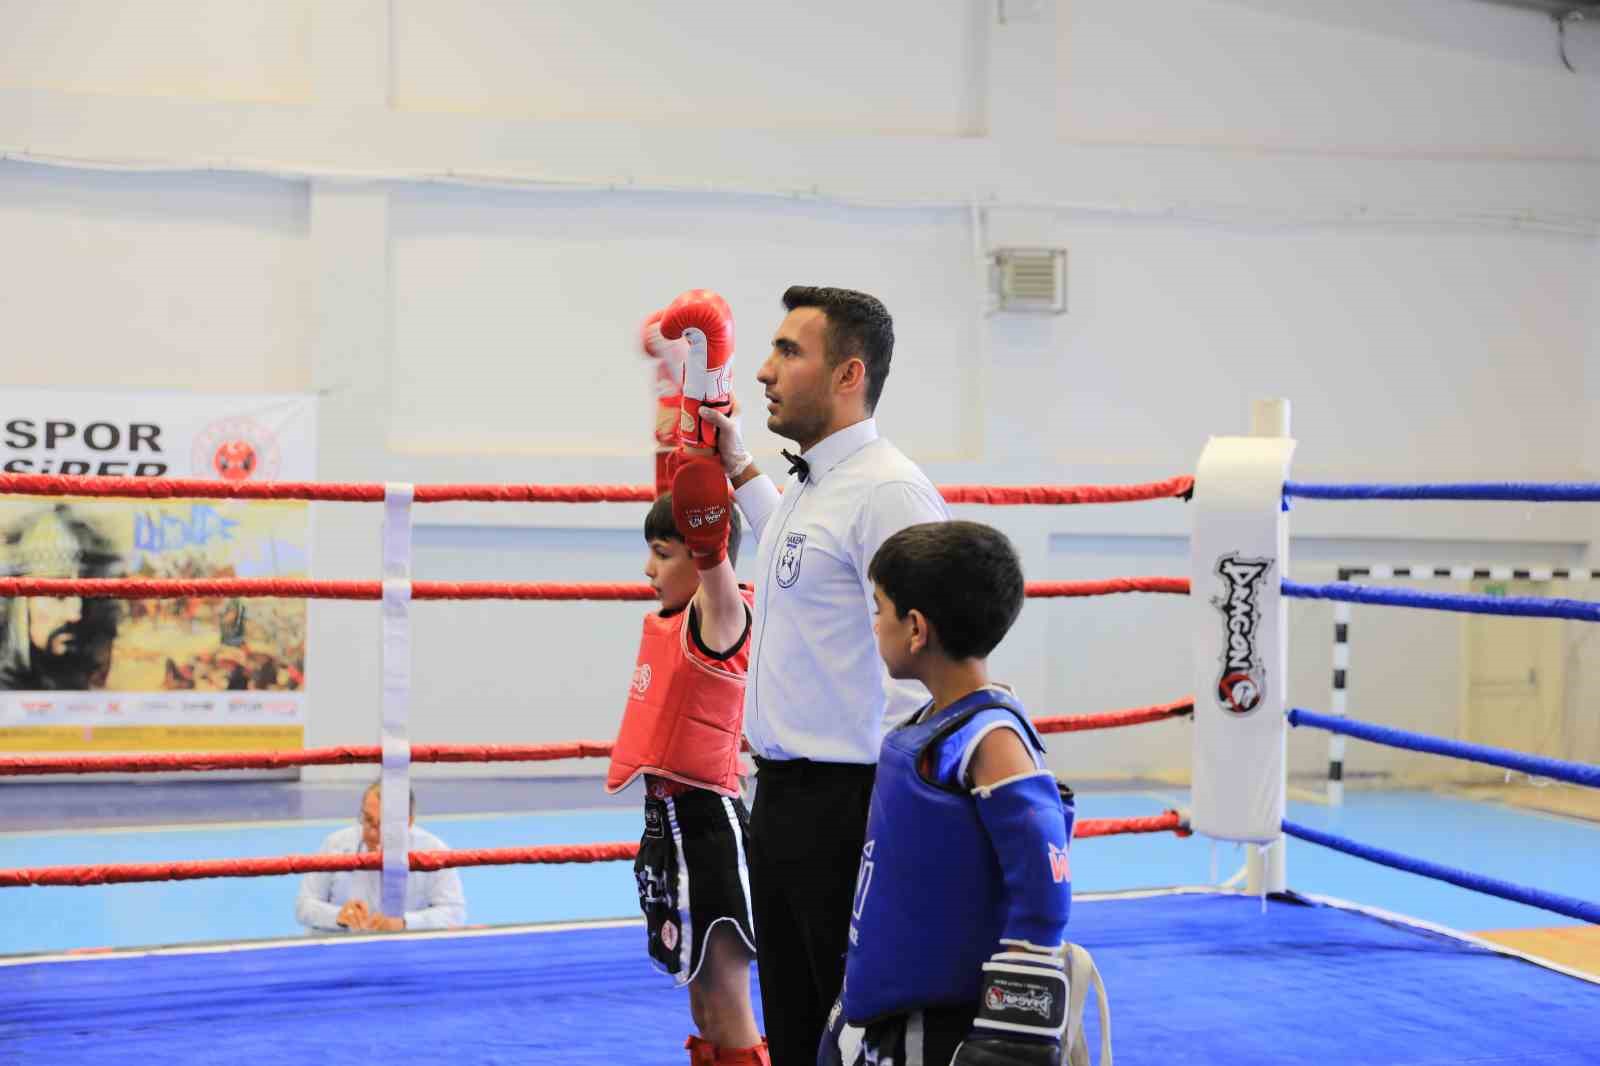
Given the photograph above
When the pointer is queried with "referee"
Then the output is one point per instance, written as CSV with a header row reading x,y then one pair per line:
x,y
818,700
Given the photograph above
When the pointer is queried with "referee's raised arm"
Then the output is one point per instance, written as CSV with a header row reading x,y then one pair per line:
x,y
818,697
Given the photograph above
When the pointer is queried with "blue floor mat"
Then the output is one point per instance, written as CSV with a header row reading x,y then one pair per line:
x,y
1192,979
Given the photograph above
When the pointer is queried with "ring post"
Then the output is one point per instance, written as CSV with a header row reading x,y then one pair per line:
x,y
1239,552
395,801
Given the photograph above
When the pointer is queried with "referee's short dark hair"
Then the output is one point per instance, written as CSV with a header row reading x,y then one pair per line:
x,y
859,327
964,577
658,525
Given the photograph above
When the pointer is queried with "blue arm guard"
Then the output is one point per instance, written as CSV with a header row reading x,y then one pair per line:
x,y
1030,829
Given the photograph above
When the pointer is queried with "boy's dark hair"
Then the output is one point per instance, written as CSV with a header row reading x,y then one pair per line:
x,y
964,577
859,327
658,525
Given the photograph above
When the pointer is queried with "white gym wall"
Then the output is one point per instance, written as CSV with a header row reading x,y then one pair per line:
x,y
449,218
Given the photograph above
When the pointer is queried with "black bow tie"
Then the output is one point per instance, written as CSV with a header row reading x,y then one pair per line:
x,y
797,465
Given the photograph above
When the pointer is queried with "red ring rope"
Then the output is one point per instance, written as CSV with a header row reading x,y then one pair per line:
x,y
1074,723
1068,495
1175,585
189,870
1109,827
129,588
369,492
135,588
30,765
194,869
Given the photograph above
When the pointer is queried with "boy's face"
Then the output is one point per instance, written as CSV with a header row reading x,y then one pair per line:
x,y
672,573
894,635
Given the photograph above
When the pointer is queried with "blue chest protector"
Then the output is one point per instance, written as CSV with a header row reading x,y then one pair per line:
x,y
932,899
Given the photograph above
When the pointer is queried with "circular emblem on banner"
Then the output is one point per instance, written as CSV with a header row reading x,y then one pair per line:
x,y
1239,693
236,449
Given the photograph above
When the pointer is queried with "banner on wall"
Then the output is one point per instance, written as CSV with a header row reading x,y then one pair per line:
x,y
154,675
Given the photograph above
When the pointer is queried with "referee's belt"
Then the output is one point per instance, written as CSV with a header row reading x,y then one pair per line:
x,y
787,767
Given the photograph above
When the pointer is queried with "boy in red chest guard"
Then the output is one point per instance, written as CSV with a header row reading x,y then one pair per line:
x,y
683,719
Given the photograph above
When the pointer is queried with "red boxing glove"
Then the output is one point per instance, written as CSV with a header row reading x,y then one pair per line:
x,y
702,318
668,357
702,509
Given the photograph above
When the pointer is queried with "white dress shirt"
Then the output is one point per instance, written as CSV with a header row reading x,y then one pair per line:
x,y
817,689
434,899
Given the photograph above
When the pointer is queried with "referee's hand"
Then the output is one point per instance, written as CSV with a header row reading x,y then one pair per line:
x,y
737,462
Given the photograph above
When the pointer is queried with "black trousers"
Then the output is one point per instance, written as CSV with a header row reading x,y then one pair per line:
x,y
806,831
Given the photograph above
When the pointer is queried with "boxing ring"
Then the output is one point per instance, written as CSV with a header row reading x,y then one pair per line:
x,y
1260,974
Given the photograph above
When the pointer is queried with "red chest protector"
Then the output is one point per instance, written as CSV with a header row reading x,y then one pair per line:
x,y
685,713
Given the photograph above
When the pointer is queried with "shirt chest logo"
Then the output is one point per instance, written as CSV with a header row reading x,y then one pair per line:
x,y
788,569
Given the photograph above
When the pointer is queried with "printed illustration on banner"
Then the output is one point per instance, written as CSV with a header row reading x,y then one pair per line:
x,y
1242,682
62,644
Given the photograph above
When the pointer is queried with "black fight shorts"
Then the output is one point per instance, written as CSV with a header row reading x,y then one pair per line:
x,y
693,875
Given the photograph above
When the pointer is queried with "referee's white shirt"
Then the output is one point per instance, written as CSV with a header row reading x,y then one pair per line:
x,y
816,688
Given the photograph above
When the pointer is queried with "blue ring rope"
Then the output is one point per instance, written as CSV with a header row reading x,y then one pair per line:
x,y
1570,906
1521,606
1557,769
1525,491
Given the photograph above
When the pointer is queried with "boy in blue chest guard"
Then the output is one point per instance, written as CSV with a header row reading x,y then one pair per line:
x,y
958,951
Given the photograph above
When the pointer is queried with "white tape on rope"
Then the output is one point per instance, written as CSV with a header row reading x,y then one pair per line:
x,y
397,500
394,727
395,804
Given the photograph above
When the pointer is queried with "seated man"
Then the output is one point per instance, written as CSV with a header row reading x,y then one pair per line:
x,y
349,901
